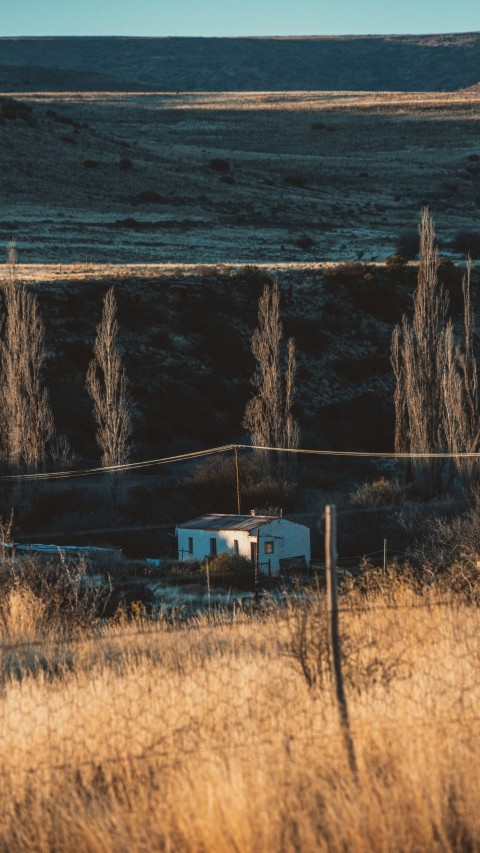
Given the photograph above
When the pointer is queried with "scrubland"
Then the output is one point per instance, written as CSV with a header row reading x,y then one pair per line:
x,y
224,734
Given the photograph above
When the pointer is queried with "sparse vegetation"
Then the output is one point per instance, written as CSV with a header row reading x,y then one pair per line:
x,y
162,704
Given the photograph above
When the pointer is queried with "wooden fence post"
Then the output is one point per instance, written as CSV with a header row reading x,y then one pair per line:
x,y
334,634
384,556
257,558
208,584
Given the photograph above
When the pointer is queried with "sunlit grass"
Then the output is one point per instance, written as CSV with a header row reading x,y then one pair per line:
x,y
208,738
391,102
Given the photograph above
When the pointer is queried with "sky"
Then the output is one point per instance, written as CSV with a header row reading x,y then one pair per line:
x,y
236,17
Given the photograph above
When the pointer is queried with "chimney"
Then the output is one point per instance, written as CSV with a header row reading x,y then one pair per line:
x,y
253,512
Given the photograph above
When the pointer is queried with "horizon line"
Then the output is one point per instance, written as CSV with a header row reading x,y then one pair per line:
x,y
278,37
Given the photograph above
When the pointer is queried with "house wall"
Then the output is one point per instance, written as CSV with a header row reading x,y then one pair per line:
x,y
289,540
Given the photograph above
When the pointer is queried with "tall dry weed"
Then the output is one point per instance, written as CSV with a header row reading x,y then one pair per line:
x,y
209,738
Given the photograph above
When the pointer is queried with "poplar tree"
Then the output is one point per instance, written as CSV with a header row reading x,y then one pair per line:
x,y
436,383
268,414
107,384
26,418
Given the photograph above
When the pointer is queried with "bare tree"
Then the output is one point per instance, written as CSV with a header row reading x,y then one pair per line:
x,y
12,256
107,385
268,414
460,388
26,417
436,383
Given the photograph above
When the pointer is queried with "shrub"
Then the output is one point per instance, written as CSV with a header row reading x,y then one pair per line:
x,y
307,332
358,369
125,164
468,242
372,291
395,263
306,243
90,164
149,197
128,222
219,165
229,564
253,279
48,596
12,110
407,245
299,181
344,274
381,492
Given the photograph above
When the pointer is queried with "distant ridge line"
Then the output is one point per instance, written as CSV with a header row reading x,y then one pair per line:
x,y
429,62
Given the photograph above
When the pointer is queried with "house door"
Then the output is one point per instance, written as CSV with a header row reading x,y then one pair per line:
x,y
253,552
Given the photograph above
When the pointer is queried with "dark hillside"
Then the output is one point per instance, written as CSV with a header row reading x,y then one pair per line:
x,y
376,63
185,339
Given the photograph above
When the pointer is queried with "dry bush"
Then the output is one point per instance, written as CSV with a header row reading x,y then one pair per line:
x,y
381,492
46,597
451,538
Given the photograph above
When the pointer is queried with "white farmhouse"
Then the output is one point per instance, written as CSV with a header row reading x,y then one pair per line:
x,y
278,540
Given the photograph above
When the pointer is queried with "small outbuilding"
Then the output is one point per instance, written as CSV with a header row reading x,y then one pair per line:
x,y
279,542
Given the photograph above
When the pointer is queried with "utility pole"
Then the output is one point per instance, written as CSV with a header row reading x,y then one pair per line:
x,y
237,473
334,634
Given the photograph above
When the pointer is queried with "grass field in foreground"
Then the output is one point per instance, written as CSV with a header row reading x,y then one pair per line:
x,y
208,737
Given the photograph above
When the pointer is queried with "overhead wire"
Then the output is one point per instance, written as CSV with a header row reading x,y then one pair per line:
x,y
200,454
111,469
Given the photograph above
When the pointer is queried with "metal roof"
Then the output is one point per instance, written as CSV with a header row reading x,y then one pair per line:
x,y
219,521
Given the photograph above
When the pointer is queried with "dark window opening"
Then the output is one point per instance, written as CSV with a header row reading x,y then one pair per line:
x,y
190,545
268,547
235,546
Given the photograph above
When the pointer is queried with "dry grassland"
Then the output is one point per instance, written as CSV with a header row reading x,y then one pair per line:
x,y
208,738
394,102
238,177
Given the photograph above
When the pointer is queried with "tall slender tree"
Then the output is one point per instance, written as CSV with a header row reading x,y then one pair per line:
x,y
436,383
26,418
107,385
268,414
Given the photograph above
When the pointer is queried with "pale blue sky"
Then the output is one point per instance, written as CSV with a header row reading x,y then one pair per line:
x,y
235,17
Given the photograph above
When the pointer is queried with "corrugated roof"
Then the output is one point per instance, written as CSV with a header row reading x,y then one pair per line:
x,y
219,521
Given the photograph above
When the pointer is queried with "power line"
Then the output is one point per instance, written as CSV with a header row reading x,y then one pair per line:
x,y
200,454
361,453
109,469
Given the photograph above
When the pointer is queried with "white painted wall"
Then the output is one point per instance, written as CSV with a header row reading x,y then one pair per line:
x,y
289,540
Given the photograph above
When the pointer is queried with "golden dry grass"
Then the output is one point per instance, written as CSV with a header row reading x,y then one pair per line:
x,y
207,738
392,102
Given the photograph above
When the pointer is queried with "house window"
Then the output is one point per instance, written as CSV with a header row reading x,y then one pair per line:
x,y
235,546
269,547
213,547
190,544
